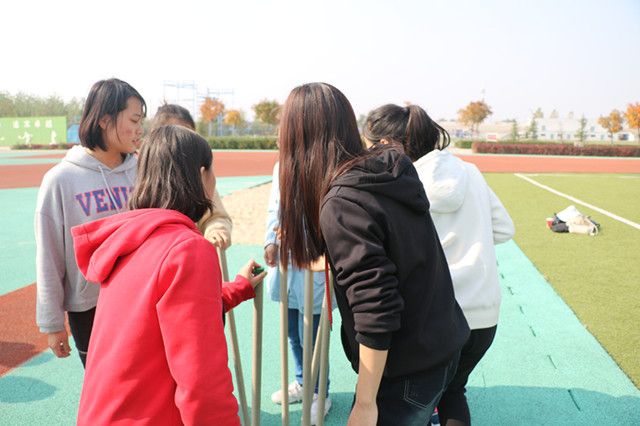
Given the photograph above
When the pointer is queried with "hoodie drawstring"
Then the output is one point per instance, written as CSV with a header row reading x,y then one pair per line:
x,y
111,196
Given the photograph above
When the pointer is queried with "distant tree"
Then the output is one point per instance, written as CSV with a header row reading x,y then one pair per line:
x,y
612,122
267,112
532,130
25,105
54,104
6,105
582,130
554,114
514,130
210,110
538,113
633,117
235,119
74,110
474,114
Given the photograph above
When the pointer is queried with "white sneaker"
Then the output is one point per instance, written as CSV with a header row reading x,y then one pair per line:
x,y
295,393
314,408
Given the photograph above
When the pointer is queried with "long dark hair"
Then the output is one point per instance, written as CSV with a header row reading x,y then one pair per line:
x,y
169,172
106,97
410,126
319,139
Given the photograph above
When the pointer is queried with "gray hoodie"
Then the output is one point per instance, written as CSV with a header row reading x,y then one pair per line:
x,y
78,190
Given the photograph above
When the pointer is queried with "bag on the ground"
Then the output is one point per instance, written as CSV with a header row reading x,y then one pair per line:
x,y
557,225
582,225
571,220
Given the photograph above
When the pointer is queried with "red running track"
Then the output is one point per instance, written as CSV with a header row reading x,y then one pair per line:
x,y
238,163
20,339
231,163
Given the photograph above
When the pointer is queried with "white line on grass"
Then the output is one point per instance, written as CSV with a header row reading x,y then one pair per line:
x,y
577,201
580,176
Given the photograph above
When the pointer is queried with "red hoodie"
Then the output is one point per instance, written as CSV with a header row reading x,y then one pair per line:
x,y
157,353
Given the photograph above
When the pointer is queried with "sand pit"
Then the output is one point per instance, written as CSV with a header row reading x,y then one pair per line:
x,y
248,210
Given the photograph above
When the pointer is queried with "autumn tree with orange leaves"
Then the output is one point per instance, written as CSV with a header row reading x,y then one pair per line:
x,y
612,122
210,110
234,118
633,117
474,114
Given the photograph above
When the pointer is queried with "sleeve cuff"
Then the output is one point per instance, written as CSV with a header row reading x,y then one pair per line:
x,y
51,328
378,341
246,289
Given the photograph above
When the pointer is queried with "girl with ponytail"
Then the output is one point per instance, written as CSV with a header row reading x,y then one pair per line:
x,y
469,219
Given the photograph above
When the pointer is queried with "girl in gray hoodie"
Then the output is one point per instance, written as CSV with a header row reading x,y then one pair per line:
x,y
93,181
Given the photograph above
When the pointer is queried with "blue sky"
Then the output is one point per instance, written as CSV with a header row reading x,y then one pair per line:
x,y
579,56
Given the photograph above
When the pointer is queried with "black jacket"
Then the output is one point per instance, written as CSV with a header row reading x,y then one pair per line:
x,y
392,282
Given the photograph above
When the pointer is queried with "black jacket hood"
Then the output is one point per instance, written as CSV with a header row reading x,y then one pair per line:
x,y
379,175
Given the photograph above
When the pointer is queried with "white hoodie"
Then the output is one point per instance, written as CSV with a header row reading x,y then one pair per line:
x,y
78,190
469,219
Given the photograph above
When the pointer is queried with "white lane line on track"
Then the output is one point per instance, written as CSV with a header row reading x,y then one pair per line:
x,y
577,201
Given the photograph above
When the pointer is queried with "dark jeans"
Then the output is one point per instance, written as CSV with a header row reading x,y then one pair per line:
x,y
81,324
411,400
453,404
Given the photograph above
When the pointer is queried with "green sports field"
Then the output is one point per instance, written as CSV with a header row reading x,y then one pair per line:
x,y
598,277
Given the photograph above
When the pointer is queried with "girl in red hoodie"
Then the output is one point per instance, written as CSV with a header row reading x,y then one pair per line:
x,y
158,354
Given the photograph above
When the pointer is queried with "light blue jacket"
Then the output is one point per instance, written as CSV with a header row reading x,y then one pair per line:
x,y
295,276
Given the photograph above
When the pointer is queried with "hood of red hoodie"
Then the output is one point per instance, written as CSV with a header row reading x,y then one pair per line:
x,y
98,245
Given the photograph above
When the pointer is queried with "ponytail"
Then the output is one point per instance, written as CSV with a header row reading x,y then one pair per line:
x,y
423,135
409,126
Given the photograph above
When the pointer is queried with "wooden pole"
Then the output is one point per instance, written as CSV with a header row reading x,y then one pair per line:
x,y
256,371
307,353
235,349
324,354
315,361
284,349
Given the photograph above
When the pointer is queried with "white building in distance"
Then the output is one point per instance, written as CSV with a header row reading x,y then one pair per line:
x,y
548,129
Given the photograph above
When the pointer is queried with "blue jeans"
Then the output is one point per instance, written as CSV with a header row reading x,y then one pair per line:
x,y
411,400
296,333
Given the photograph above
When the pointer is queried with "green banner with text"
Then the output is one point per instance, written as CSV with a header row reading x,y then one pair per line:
x,y
33,130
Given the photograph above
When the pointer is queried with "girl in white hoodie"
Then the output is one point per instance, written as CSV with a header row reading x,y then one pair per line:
x,y
469,219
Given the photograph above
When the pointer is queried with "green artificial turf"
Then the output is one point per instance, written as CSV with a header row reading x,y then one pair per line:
x,y
619,194
598,277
